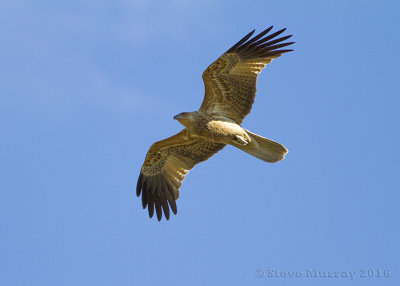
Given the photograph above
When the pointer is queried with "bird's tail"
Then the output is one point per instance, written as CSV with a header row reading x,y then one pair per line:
x,y
263,148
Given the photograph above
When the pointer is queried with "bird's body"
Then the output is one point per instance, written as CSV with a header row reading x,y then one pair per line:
x,y
230,85
215,128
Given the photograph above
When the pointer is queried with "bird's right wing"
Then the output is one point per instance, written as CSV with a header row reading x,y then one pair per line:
x,y
166,164
231,80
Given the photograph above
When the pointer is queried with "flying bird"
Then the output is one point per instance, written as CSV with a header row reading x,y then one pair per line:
x,y
230,89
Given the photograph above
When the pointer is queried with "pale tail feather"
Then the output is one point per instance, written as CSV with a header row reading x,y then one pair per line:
x,y
263,148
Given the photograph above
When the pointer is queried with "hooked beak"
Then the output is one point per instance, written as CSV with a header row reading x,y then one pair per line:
x,y
176,117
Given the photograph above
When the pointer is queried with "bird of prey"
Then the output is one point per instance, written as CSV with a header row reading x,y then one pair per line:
x,y
230,89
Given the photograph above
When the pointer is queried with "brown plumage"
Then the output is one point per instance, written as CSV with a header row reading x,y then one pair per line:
x,y
230,89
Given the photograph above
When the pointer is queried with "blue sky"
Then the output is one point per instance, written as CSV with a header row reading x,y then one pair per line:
x,y
87,86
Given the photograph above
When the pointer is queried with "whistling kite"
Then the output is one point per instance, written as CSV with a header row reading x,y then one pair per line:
x,y
230,89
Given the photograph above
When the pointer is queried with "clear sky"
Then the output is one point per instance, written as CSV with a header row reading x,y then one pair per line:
x,y
87,86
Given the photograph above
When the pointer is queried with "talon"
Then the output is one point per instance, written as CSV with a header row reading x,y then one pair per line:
x,y
241,140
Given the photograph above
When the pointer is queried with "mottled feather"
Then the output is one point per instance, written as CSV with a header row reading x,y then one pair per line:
x,y
230,81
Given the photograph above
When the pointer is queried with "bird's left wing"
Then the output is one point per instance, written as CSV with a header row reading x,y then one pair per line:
x,y
230,81
166,164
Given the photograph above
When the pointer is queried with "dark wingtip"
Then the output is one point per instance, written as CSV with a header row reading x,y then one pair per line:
x,y
243,40
166,216
174,208
253,41
151,211
165,208
171,201
139,184
144,199
157,196
263,45
159,213
150,206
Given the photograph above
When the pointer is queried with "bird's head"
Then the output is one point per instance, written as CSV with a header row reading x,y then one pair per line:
x,y
184,118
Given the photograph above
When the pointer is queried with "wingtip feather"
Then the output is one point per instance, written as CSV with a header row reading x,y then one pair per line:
x,y
139,184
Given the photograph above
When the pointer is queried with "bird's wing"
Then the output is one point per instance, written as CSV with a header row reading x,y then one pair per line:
x,y
230,81
166,164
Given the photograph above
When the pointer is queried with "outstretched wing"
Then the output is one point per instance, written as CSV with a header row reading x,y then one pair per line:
x,y
166,164
230,81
